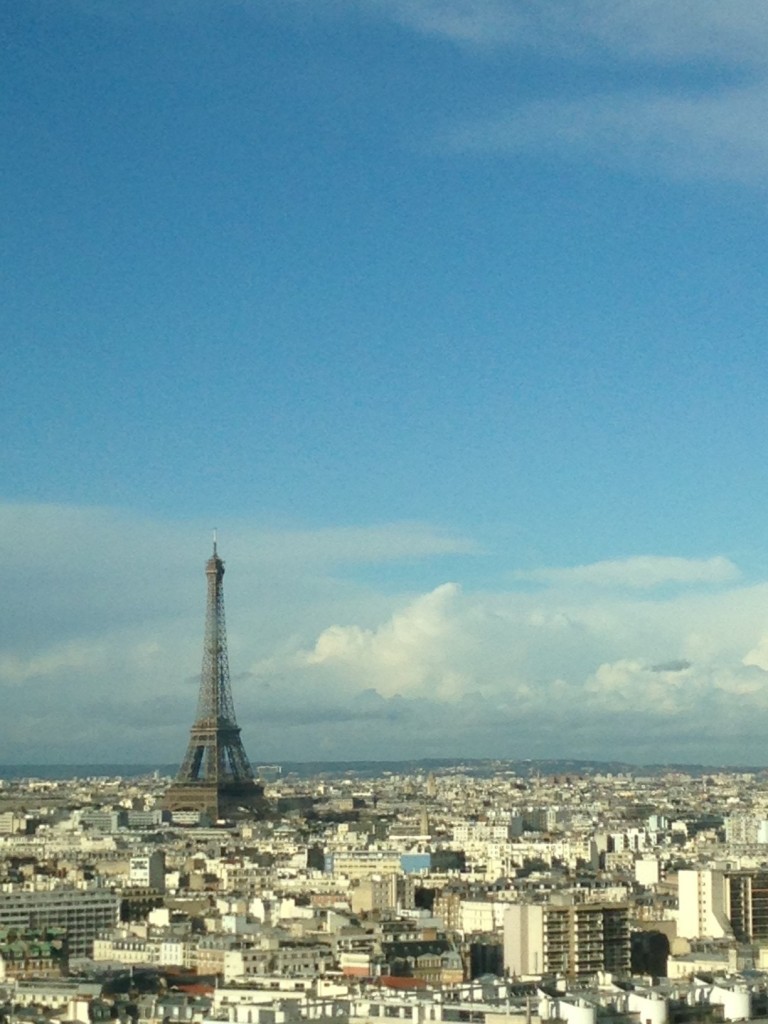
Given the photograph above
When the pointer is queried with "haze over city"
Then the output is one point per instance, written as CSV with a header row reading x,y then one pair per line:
x,y
450,319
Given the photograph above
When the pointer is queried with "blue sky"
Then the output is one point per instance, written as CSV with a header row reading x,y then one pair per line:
x,y
450,316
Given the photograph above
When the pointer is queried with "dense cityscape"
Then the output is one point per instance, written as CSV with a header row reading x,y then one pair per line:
x,y
469,892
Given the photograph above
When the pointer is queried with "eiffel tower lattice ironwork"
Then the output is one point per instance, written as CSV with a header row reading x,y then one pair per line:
x,y
215,776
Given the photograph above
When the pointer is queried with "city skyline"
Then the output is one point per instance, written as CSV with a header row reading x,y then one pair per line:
x,y
449,317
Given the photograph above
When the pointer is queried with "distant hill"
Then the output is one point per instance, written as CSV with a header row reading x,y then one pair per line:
x,y
372,769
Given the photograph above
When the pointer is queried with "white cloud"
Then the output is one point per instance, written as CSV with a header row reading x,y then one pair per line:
x,y
59,536
706,123
695,695
465,21
386,542
84,658
642,572
633,687
712,131
640,28
414,650
561,672
735,30
707,136
758,655
707,28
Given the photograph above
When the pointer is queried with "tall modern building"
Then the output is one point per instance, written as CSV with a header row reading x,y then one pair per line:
x,y
723,904
215,777
703,910
573,939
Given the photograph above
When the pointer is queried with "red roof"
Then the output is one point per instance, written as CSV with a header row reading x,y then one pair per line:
x,y
390,981
194,988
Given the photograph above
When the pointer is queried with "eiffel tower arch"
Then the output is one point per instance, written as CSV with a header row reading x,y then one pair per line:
x,y
215,777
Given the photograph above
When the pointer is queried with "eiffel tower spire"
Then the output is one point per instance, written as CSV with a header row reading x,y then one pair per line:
x,y
215,776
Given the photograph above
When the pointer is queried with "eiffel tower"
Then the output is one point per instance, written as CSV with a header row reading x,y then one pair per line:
x,y
215,777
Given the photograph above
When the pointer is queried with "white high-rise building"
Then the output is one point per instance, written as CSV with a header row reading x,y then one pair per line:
x,y
147,871
647,871
744,829
702,906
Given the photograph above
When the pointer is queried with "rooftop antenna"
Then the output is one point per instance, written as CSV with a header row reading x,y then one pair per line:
x,y
214,540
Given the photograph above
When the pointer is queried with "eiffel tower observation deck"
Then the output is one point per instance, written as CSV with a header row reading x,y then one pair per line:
x,y
215,777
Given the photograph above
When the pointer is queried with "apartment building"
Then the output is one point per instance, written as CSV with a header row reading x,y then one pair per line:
x,y
81,913
720,904
362,863
382,892
573,939
147,871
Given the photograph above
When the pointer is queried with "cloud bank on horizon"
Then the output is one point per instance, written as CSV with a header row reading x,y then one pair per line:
x,y
648,659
